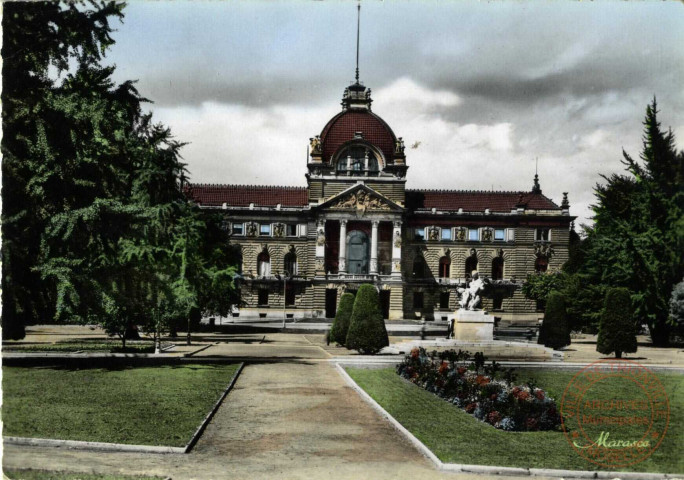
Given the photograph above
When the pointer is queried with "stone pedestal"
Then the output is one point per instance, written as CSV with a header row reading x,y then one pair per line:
x,y
473,326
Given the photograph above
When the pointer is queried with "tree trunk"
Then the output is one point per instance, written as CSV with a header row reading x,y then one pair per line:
x,y
618,354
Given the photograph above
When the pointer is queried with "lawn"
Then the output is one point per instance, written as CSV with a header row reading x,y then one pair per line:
x,y
111,346
143,405
456,437
40,475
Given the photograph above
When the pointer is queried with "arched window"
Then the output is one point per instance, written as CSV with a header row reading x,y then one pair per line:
x,y
497,268
290,263
419,267
470,266
541,264
356,160
264,264
444,267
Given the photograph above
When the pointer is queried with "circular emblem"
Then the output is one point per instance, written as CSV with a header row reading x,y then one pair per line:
x,y
615,413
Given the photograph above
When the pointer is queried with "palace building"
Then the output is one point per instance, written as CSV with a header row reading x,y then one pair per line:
x,y
355,222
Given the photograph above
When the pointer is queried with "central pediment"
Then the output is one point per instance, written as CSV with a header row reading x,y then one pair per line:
x,y
360,198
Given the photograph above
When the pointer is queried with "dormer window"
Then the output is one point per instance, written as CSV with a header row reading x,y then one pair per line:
x,y
357,160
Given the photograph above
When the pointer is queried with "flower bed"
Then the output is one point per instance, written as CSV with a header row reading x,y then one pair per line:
x,y
485,391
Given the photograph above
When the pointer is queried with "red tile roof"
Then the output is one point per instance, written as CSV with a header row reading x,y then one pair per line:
x,y
476,201
342,127
243,195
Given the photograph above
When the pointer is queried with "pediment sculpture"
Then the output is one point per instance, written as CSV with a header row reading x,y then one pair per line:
x,y
543,250
360,200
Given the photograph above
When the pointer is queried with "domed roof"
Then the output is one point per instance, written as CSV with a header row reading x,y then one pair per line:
x,y
344,126
356,117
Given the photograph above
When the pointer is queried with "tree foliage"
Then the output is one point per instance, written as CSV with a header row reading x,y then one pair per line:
x,y
340,326
638,236
95,225
555,330
367,333
617,331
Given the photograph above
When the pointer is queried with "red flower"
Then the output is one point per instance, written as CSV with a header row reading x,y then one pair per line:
x,y
482,380
470,408
415,353
522,395
493,417
539,394
492,396
461,370
443,368
531,423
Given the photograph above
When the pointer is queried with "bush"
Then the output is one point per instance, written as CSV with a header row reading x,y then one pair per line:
x,y
340,326
555,330
367,333
617,330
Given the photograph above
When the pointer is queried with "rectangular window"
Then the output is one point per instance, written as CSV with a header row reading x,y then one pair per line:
x,y
420,233
238,229
291,230
500,234
263,297
542,235
444,300
473,234
418,300
446,234
265,230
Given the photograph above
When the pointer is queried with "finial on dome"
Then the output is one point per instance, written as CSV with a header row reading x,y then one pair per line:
x,y
358,30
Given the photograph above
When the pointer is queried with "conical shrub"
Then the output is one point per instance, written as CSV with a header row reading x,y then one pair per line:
x,y
340,326
617,329
367,333
555,329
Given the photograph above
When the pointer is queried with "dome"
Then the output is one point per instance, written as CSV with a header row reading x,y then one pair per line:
x,y
344,127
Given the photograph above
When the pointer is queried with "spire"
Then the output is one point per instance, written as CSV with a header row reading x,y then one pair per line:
x,y
358,30
536,188
357,96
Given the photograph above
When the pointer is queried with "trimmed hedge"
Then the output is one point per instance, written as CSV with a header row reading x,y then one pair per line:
x,y
555,329
367,333
340,326
617,329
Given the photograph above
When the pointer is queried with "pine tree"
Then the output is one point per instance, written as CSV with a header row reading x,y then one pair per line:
x,y
367,333
638,236
340,326
617,332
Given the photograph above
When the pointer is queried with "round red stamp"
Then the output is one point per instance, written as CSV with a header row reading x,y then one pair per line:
x,y
615,413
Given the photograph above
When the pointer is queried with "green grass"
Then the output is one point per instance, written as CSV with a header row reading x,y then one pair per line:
x,y
143,406
456,437
41,475
75,346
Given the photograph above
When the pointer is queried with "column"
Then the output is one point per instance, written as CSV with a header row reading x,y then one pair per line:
x,y
320,247
396,250
343,247
374,248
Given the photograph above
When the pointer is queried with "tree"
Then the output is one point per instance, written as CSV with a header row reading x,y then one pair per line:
x,y
38,36
617,331
367,333
555,331
677,307
638,234
340,326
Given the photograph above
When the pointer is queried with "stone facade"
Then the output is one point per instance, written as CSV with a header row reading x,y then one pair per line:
x,y
356,223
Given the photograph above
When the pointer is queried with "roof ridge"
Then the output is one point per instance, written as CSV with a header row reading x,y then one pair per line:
x,y
439,190
246,186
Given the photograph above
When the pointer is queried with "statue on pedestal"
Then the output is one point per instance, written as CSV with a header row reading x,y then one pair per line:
x,y
470,296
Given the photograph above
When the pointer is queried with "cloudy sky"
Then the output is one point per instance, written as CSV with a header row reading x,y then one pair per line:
x,y
482,89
